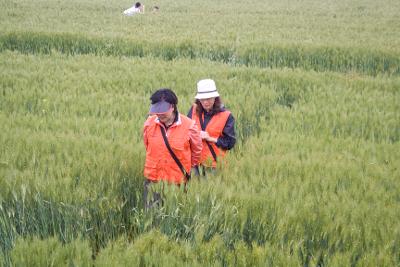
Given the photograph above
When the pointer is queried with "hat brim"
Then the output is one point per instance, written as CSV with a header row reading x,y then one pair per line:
x,y
206,95
160,107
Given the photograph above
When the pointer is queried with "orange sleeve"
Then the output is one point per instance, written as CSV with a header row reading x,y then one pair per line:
x,y
145,135
196,144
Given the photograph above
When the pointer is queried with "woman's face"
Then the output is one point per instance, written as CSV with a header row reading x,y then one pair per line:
x,y
166,117
207,103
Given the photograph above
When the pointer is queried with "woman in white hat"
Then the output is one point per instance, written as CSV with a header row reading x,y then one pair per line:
x,y
216,123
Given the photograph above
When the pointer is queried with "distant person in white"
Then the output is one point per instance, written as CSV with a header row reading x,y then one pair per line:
x,y
137,8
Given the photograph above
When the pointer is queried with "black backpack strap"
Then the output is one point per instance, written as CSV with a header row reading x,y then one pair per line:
x,y
187,175
203,127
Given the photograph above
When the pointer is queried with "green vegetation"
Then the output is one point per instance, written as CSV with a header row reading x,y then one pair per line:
x,y
314,178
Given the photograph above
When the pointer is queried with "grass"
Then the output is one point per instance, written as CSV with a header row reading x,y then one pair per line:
x,y
368,24
312,181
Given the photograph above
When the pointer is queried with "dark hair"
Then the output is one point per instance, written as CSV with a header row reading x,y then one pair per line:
x,y
138,4
217,107
164,94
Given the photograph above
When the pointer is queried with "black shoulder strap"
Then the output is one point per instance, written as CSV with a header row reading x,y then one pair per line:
x,y
203,127
187,175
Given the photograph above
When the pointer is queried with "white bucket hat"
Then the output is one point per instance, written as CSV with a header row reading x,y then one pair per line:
x,y
206,89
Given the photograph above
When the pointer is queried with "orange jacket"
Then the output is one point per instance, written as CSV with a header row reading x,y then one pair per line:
x,y
214,129
184,139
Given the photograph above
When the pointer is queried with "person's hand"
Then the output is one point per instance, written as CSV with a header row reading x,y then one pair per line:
x,y
204,135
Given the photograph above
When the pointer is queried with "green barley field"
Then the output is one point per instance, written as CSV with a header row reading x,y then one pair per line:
x,y
314,179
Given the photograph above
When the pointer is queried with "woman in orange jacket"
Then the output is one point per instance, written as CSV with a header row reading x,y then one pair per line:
x,y
172,140
216,123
